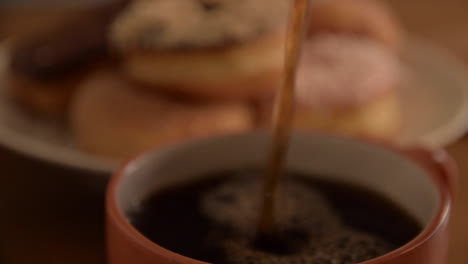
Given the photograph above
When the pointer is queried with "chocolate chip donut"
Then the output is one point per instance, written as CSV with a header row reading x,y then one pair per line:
x,y
211,49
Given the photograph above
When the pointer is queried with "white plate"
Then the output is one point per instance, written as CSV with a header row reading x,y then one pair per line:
x,y
434,101
434,97
47,140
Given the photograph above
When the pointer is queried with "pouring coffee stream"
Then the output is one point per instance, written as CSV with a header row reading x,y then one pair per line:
x,y
282,121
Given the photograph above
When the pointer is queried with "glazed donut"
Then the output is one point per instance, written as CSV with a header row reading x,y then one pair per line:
x,y
110,117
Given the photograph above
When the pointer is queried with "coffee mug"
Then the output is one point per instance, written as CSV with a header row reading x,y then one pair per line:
x,y
421,182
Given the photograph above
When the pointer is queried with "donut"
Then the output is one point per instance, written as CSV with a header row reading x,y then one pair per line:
x,y
209,49
367,18
379,118
347,85
112,118
44,97
45,66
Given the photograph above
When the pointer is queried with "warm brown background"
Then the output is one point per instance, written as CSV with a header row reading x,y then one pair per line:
x,y
47,215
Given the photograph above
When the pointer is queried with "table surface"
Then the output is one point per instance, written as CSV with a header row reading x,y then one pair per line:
x,y
49,216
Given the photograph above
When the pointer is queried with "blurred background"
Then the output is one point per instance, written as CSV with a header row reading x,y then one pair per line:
x,y
55,165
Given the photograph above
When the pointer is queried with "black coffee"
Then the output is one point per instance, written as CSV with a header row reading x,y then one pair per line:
x,y
320,222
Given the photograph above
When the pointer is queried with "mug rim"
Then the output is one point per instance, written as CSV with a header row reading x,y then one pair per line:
x,y
444,168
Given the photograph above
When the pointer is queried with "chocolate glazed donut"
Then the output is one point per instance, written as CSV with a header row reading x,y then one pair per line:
x,y
46,65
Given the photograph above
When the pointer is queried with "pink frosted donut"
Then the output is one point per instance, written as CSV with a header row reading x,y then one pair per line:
x,y
346,85
342,71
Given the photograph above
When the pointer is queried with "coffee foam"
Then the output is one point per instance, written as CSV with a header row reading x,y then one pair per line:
x,y
234,208
344,246
235,205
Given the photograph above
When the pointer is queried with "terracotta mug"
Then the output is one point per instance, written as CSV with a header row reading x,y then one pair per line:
x,y
420,182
